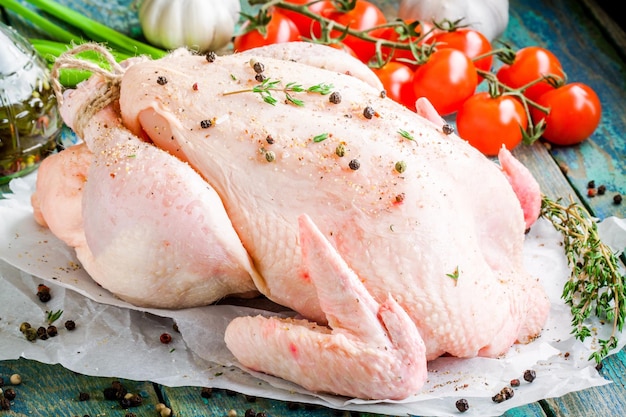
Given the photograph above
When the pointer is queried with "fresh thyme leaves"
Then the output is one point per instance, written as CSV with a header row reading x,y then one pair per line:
x,y
454,275
269,85
321,137
53,316
595,285
405,134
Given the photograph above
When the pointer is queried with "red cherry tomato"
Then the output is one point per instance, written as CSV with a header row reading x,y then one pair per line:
x,y
364,16
306,25
447,79
397,78
531,63
488,123
575,113
469,41
279,29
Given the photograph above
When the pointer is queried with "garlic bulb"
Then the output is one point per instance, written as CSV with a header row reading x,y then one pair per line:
x,y
490,17
202,25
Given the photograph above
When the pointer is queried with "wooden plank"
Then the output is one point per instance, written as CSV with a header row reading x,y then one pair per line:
x,y
52,390
565,28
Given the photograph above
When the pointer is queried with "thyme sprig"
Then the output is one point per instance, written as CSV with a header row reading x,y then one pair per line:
x,y
267,86
52,316
595,286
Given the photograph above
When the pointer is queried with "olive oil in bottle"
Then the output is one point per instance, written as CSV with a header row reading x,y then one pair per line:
x,y
29,118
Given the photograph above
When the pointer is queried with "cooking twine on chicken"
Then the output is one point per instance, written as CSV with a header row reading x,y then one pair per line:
x,y
105,94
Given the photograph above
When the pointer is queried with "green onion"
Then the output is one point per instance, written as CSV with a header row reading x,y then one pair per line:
x,y
95,30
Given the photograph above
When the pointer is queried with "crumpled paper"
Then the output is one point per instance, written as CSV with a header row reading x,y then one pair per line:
x,y
111,332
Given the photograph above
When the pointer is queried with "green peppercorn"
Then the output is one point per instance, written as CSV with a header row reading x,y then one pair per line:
x,y
31,334
24,326
400,166
340,150
270,156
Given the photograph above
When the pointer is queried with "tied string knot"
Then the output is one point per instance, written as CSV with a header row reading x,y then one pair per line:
x,y
106,92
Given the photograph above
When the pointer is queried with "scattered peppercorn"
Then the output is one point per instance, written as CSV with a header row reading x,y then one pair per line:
x,y
10,394
52,331
447,129
261,414
43,293
250,413
194,87
116,391
515,382
498,398
591,192
400,198
340,150
601,190
400,166
42,333
383,94
507,392
205,124
354,164
211,56
335,97
31,334
70,325
15,379
529,375
462,405
617,199
161,80
260,77
83,396
258,67
269,139
206,392
5,404
591,184
368,112
165,338
270,156
232,413
23,327
131,400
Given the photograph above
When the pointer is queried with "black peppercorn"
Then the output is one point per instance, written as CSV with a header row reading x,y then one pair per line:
x,y
261,414
260,77
369,112
529,375
258,67
591,184
161,80
42,333
447,129
5,404
52,331
83,396
2,380
617,199
601,189
10,394
498,398
269,139
354,164
507,392
205,124
211,56
70,325
335,97
462,405
44,296
249,413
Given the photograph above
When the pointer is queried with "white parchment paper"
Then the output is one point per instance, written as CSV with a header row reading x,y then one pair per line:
x,y
119,340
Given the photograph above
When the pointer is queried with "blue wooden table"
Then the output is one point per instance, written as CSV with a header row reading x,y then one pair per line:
x,y
592,48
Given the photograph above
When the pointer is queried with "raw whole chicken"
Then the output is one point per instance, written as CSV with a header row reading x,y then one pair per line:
x,y
394,241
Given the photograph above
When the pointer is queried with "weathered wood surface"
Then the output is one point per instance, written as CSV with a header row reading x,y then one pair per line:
x,y
592,49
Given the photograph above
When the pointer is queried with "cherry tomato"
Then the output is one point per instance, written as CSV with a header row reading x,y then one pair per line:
x,y
306,25
279,29
575,113
469,41
397,78
531,63
488,123
364,16
447,79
